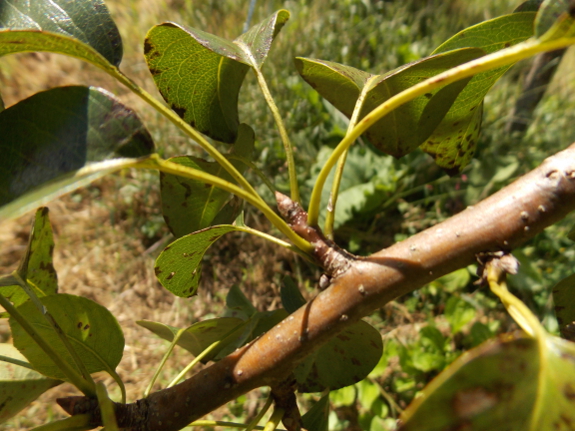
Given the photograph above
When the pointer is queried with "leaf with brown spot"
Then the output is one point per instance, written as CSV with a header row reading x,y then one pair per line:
x,y
465,115
344,360
512,383
406,128
99,342
200,74
36,267
179,274
564,298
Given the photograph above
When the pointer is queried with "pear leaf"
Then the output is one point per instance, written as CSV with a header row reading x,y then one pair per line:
x,y
344,360
555,20
37,266
200,74
504,384
87,21
453,142
178,266
407,127
91,329
73,128
564,298
19,385
190,205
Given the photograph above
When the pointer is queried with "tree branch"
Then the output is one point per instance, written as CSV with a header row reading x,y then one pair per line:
x,y
500,222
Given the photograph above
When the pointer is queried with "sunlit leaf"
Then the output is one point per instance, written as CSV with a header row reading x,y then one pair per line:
x,y
19,385
504,384
406,128
88,21
92,330
73,127
36,267
564,299
178,266
200,74
453,142
198,336
346,359
190,205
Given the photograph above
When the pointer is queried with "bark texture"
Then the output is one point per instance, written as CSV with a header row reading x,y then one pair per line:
x,y
499,223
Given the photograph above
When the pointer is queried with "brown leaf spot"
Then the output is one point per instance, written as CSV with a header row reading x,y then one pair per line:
x,y
356,362
471,402
79,325
569,391
86,327
157,270
179,110
169,277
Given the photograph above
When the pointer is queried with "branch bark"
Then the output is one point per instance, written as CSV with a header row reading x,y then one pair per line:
x,y
500,222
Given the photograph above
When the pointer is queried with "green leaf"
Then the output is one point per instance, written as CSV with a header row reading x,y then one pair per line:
x,y
511,384
453,142
198,336
200,74
88,21
528,6
238,305
564,298
190,205
317,418
73,127
346,359
458,313
19,385
407,127
91,329
36,267
178,266
554,20
257,41
291,297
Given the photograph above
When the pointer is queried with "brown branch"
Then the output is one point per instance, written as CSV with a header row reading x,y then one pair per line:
x,y
500,222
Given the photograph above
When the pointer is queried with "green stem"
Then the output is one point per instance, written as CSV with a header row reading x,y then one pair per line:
x,y
253,424
188,130
76,422
288,147
16,362
491,61
163,362
330,215
277,241
88,388
224,341
106,408
205,423
274,421
155,162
